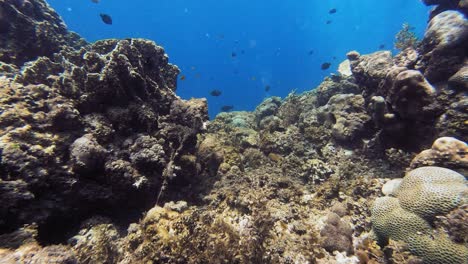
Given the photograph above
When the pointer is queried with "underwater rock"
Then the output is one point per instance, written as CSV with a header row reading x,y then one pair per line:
x,y
347,115
35,254
370,70
87,155
96,242
447,152
411,94
337,235
74,130
267,108
333,86
443,47
30,29
407,58
345,68
459,81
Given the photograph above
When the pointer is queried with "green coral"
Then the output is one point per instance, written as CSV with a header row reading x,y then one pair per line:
x,y
424,193
406,38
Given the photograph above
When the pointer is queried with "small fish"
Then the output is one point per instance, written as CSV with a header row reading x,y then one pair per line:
x,y
311,52
215,92
95,1
332,11
334,57
267,88
325,65
182,77
233,54
382,46
227,108
253,78
193,68
328,22
106,19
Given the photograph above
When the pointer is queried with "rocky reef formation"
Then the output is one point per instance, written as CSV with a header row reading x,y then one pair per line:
x,y
101,162
95,129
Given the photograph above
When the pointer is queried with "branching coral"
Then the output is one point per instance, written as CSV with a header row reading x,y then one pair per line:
x,y
406,38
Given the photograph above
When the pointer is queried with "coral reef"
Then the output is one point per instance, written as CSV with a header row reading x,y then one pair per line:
x,y
97,128
101,162
30,29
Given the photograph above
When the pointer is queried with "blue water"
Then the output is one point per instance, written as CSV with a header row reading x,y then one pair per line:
x,y
272,39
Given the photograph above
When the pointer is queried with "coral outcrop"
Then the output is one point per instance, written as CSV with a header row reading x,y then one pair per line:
x,y
29,29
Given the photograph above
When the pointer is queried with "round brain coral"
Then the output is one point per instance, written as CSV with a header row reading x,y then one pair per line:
x,y
422,194
431,191
389,220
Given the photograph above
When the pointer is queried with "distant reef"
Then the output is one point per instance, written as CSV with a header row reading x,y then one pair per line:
x,y
101,161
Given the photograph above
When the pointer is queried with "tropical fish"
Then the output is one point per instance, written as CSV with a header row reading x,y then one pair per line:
x,y
227,108
253,78
311,52
382,46
215,92
325,65
267,88
328,22
233,54
106,19
182,77
332,11
95,1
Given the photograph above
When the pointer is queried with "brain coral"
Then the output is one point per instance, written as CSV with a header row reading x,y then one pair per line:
x,y
430,191
423,193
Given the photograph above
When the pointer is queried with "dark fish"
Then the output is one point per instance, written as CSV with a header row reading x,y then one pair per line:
x,y
267,88
106,19
182,77
233,54
334,57
95,1
215,92
227,108
311,52
325,65
328,22
332,11
382,46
